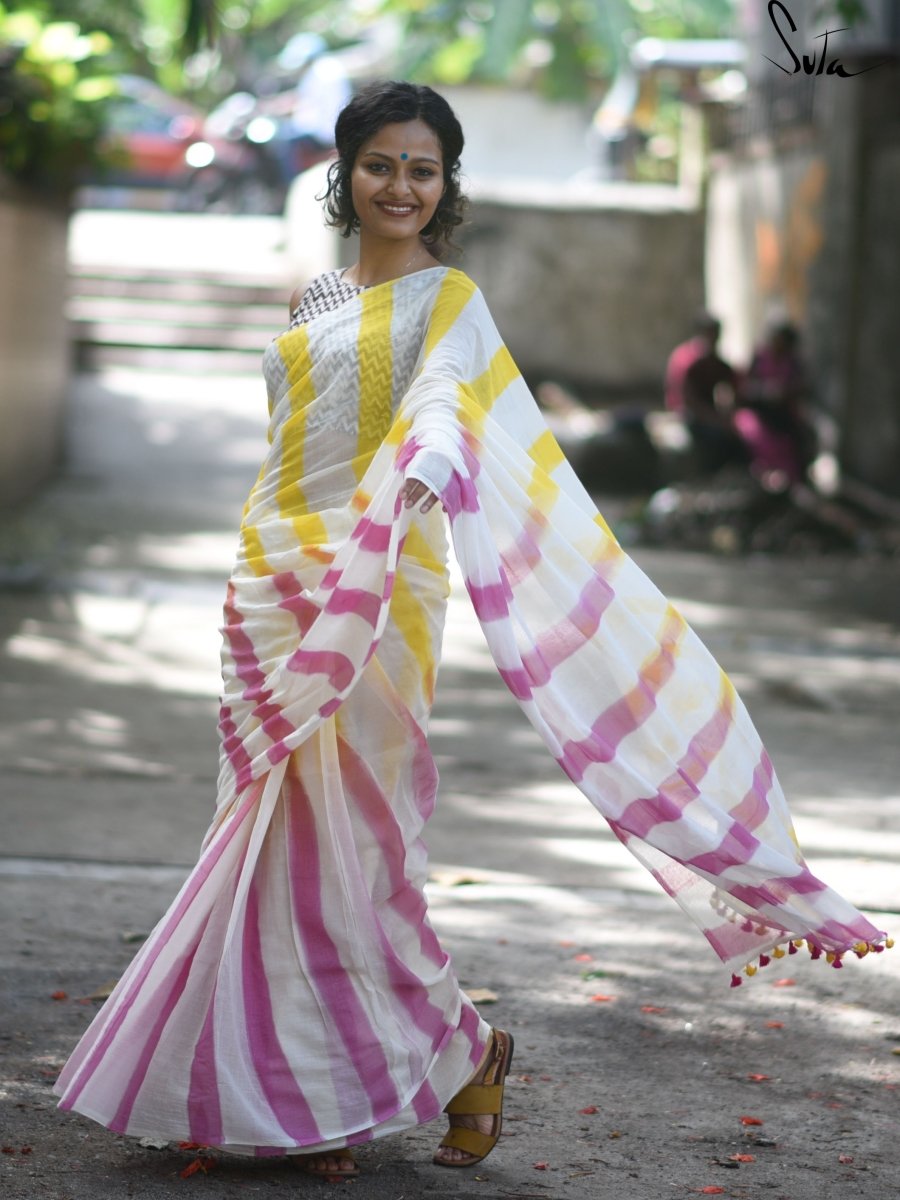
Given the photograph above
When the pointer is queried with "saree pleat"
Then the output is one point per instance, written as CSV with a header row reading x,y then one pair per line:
x,y
295,995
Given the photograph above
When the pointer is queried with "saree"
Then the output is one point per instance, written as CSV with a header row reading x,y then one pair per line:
x,y
295,996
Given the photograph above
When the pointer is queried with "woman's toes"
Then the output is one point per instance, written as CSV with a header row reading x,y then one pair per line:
x,y
327,1164
451,1154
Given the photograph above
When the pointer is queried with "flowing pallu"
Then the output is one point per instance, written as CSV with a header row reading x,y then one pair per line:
x,y
295,995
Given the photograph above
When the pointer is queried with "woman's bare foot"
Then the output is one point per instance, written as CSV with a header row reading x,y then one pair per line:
x,y
479,1112
338,1162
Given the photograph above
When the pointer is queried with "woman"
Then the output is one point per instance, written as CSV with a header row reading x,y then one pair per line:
x,y
294,999
771,418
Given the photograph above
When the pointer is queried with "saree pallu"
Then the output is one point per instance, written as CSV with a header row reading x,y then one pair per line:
x,y
295,996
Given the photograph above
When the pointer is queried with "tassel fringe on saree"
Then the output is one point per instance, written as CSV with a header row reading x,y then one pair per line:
x,y
295,997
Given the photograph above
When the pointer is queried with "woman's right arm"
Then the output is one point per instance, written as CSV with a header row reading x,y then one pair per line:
x,y
296,298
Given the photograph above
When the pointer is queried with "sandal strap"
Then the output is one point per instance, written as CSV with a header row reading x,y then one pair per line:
x,y
477,1100
470,1141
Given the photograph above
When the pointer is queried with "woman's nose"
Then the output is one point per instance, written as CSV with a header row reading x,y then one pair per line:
x,y
398,184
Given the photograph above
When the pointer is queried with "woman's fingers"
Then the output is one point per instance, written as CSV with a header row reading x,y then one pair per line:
x,y
413,491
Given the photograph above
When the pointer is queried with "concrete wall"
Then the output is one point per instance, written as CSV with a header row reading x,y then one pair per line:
x,y
811,230
855,283
515,134
33,343
765,231
871,397
589,286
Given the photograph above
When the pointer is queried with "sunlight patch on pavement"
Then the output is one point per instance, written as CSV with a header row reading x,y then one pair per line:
x,y
180,241
156,874
849,840
117,663
233,395
464,902
189,553
607,855
110,616
711,616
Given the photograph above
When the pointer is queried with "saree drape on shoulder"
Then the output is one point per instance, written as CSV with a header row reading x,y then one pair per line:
x,y
295,996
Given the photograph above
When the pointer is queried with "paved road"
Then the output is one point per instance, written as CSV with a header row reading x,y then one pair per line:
x,y
107,751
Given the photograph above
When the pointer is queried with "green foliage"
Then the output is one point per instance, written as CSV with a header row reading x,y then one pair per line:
x,y
122,21
852,12
54,80
565,43
683,18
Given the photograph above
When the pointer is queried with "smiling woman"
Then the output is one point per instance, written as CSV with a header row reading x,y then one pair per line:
x,y
295,1000
395,193
408,137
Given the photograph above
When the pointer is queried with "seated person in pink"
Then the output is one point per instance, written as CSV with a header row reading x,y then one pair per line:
x,y
771,418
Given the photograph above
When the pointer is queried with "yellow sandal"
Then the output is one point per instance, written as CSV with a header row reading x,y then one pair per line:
x,y
478,1100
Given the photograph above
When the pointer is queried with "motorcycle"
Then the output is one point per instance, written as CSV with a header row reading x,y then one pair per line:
x,y
235,167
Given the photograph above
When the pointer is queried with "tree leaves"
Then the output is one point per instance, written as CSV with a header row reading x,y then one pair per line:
x,y
566,43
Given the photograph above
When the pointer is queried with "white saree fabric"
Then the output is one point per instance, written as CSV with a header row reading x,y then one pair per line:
x,y
295,996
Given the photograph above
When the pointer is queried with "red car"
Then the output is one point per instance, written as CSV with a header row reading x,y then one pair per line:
x,y
154,129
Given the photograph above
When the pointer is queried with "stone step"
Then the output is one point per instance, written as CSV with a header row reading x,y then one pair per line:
x,y
170,320
188,287
176,335
177,360
127,310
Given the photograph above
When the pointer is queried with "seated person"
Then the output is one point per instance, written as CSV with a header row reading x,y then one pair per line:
x,y
771,418
701,387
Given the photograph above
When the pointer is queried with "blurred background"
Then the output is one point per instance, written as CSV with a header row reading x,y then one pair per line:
x,y
630,164
684,219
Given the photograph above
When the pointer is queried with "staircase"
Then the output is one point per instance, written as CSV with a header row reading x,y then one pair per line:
x,y
164,318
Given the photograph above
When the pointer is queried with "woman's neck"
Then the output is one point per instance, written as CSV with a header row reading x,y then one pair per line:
x,y
381,261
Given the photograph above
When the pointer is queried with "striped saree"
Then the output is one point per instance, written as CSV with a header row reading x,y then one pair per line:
x,y
295,996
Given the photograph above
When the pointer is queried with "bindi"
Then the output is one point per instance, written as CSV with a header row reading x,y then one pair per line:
x,y
404,156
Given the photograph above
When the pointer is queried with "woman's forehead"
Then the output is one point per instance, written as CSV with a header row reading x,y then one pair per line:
x,y
412,139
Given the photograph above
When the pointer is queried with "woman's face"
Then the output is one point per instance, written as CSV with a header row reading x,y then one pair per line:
x,y
398,180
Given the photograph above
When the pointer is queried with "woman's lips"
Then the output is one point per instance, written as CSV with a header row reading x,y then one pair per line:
x,y
397,210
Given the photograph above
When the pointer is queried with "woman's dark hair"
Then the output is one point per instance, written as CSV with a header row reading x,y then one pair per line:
x,y
387,103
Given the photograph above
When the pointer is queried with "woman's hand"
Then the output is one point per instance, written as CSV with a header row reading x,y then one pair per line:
x,y
413,491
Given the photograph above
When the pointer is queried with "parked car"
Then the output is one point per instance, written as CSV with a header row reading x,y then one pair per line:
x,y
153,130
